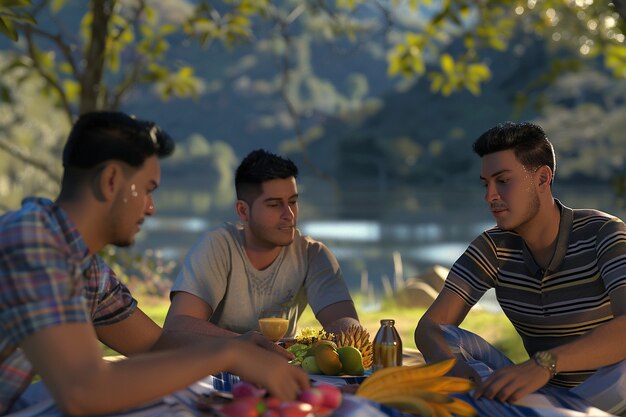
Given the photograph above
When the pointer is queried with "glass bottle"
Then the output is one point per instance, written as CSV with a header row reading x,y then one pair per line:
x,y
387,346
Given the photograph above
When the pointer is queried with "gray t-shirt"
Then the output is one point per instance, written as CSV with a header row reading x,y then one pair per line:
x,y
218,271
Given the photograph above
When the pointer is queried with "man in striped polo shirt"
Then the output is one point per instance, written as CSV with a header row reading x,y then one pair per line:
x,y
559,275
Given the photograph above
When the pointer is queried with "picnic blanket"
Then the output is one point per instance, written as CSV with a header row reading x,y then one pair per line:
x,y
548,402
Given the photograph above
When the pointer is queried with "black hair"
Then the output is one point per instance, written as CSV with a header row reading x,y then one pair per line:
x,y
256,168
100,136
527,140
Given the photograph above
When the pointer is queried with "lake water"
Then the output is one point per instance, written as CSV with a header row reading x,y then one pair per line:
x,y
378,236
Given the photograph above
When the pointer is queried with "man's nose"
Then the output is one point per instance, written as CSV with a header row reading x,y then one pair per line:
x,y
150,209
491,193
288,212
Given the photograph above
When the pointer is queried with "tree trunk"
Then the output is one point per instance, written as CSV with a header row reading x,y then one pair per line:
x,y
94,55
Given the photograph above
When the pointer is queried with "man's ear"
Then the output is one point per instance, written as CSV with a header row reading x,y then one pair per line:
x,y
544,176
108,182
242,209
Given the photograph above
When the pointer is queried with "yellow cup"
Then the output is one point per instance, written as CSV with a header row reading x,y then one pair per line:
x,y
274,328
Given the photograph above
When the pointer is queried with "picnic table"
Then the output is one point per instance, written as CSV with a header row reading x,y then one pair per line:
x,y
545,403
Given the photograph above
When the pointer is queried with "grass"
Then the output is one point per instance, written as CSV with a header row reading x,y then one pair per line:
x,y
494,327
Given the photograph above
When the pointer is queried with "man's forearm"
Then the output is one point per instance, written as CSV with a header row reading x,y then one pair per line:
x,y
604,345
181,330
341,325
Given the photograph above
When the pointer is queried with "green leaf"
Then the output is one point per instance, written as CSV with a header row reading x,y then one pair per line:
x,y
65,68
146,31
57,5
23,18
447,63
114,62
7,28
151,16
15,3
394,66
478,72
166,29
436,82
185,72
5,94
72,90
473,87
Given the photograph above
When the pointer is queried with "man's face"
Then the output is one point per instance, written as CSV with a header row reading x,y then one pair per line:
x,y
134,202
510,190
273,215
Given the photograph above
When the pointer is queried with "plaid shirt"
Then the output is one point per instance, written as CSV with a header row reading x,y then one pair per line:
x,y
48,278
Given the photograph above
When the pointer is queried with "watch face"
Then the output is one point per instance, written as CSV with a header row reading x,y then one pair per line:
x,y
547,360
543,356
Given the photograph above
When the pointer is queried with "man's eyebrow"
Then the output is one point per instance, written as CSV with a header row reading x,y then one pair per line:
x,y
279,198
495,174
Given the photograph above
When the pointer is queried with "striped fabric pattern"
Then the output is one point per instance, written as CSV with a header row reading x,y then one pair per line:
x,y
552,307
48,278
559,398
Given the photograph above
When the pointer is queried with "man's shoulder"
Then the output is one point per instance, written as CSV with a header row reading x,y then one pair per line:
x,y
306,242
587,214
591,221
500,237
36,217
220,237
306,247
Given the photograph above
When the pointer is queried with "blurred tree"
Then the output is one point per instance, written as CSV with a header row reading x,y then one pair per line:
x,y
12,12
119,47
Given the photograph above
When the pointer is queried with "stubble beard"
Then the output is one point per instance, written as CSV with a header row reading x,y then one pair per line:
x,y
118,235
530,213
268,235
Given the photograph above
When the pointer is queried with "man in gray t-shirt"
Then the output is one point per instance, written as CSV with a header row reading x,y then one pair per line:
x,y
236,273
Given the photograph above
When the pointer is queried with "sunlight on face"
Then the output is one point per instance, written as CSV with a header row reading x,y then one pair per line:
x,y
274,214
134,202
510,190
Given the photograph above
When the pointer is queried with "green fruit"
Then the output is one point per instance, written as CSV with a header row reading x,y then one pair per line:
x,y
351,360
309,364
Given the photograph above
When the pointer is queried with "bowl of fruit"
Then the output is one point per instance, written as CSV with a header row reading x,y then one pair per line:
x,y
347,354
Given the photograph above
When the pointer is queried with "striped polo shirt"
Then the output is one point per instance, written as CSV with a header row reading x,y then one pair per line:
x,y
48,278
552,307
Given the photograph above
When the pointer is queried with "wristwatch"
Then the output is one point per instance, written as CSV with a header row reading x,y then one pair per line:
x,y
546,359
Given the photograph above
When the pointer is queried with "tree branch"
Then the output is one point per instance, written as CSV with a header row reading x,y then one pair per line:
x,y
132,76
123,87
47,77
65,49
291,109
27,159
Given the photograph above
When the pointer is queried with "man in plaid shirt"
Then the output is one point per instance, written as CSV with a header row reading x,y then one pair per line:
x,y
58,297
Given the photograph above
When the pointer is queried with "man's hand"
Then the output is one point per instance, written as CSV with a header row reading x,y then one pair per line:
x,y
259,366
462,370
258,339
514,382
